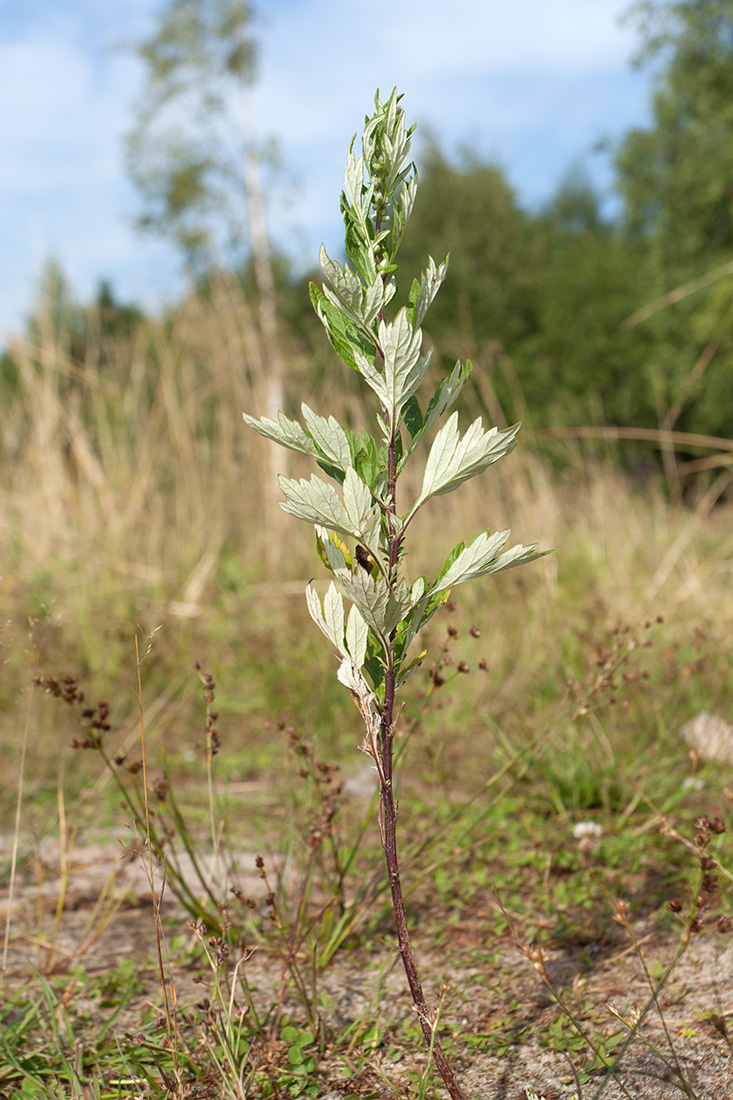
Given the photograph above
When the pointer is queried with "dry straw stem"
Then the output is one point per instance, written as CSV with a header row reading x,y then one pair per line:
x,y
677,295
16,831
132,463
646,435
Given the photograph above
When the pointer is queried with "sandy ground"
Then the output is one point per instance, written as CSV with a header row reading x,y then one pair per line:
x,y
495,990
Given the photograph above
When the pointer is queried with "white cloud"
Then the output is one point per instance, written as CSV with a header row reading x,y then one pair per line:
x,y
531,83
63,193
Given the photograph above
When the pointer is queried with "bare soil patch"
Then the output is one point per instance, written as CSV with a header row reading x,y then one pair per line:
x,y
502,1019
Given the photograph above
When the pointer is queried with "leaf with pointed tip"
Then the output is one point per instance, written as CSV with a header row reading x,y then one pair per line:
x,y
412,417
447,392
356,242
316,501
358,502
348,293
333,471
481,556
453,460
374,663
356,636
364,457
441,400
334,553
377,296
331,549
286,432
404,367
402,211
420,615
381,607
416,377
348,635
373,378
406,672
330,617
417,591
346,284
354,178
329,437
343,334
428,287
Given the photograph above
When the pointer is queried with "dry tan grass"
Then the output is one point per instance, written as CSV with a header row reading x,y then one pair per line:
x,y
128,483
140,457
137,458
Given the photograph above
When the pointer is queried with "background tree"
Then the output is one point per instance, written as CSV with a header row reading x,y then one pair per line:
x,y
577,366
536,299
187,150
676,179
549,303
193,156
192,152
470,209
677,176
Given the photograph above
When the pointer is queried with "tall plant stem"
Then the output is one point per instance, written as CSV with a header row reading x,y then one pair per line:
x,y
388,808
389,841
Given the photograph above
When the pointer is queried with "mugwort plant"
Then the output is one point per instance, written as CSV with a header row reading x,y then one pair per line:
x,y
360,521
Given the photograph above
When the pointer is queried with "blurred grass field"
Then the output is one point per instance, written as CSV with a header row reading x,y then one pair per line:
x,y
134,498
138,517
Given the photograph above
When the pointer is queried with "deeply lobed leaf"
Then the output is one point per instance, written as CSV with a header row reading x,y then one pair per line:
x,y
453,460
317,502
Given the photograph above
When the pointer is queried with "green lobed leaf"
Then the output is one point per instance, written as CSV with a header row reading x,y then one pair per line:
x,y
348,635
429,286
329,437
441,400
412,417
315,501
402,211
418,617
343,334
356,636
364,457
286,432
324,541
330,617
453,460
359,248
354,177
377,296
335,554
381,607
333,613
404,367
333,471
358,503
374,660
346,283
447,392
373,378
481,556
362,304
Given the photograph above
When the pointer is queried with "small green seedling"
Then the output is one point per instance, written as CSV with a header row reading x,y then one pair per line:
x,y
359,502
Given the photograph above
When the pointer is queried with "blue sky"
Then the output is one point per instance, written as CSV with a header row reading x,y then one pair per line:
x,y
533,85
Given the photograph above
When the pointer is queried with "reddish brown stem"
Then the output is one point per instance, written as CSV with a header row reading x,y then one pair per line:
x,y
389,840
388,808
